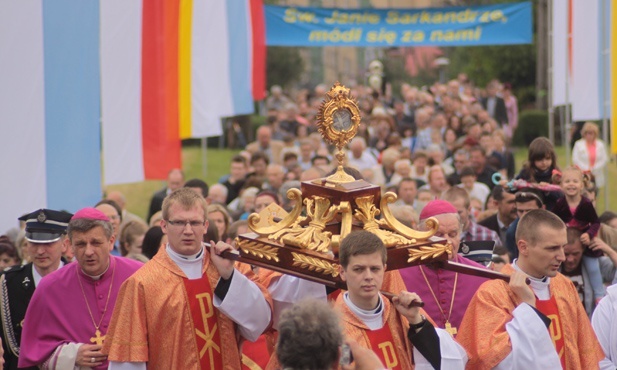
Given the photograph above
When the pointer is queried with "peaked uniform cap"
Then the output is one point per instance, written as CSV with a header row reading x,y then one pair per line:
x,y
46,225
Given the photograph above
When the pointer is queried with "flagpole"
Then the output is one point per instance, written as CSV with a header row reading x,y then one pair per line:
x,y
567,125
551,108
605,102
204,157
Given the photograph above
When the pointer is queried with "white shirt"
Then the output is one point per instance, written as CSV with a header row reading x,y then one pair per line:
x,y
604,324
287,290
37,277
479,191
365,162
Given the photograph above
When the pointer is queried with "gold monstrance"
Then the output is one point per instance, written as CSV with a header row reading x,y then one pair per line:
x,y
305,242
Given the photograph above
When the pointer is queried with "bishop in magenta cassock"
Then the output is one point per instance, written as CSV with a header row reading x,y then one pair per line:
x,y
70,311
446,294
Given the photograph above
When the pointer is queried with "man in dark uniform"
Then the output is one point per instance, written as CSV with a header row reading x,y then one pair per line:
x,y
45,234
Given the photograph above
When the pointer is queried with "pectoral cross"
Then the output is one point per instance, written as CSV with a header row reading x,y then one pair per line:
x,y
97,338
451,329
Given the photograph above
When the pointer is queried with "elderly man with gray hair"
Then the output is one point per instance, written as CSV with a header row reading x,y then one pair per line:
x,y
217,194
358,157
446,294
311,338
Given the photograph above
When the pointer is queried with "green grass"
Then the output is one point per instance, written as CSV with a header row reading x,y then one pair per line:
x,y
138,194
520,155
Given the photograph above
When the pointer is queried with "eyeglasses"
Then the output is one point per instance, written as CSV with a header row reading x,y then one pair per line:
x,y
181,223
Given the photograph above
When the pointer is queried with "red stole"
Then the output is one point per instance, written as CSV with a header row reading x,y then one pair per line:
x,y
203,313
383,345
255,355
555,329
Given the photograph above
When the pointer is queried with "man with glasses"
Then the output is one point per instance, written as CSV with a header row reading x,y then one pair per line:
x,y
188,307
525,200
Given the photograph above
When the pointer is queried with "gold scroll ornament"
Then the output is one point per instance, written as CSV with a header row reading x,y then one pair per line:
x,y
306,244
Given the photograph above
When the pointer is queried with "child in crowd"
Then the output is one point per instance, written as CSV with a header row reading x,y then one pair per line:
x,y
578,212
132,238
477,206
422,198
474,188
542,160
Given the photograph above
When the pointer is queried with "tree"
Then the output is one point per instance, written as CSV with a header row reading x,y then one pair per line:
x,y
284,65
510,63
516,64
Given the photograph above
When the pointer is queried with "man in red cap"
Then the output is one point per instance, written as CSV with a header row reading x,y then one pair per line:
x,y
70,311
446,294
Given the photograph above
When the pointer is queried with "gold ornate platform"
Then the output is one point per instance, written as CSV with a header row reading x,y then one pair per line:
x,y
305,241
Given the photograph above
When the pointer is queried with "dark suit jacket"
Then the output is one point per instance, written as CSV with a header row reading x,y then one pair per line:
x,y
156,203
16,291
486,176
500,114
491,223
510,162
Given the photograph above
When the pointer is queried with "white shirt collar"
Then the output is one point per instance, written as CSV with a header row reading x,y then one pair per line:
x,y
539,286
98,277
190,265
499,223
37,277
371,318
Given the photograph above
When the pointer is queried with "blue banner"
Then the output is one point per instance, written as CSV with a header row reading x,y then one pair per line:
x,y
500,24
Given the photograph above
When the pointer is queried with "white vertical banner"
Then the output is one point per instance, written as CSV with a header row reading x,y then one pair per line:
x,y
560,51
22,111
211,92
121,91
586,60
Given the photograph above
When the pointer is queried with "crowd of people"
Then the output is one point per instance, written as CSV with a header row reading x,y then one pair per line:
x,y
106,288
